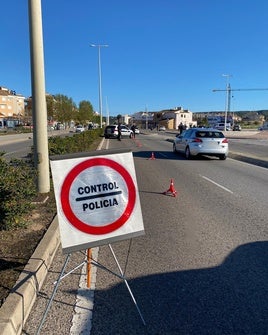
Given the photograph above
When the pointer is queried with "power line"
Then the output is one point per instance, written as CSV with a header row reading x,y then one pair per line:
x,y
240,89
229,91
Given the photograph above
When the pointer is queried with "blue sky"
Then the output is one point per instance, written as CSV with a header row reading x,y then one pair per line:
x,y
161,54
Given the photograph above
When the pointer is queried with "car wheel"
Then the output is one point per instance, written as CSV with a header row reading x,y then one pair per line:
x,y
222,157
187,153
174,148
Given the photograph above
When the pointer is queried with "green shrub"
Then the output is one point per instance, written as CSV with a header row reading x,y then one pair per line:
x,y
17,190
18,177
77,143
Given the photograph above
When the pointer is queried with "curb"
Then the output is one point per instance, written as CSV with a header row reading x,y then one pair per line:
x,y
17,307
248,159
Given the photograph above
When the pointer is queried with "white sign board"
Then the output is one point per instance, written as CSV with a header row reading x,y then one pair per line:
x,y
97,200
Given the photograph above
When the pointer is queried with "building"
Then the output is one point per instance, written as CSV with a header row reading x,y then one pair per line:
x,y
172,118
144,120
12,107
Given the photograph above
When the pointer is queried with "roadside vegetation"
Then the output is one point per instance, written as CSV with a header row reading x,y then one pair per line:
x,y
18,177
26,215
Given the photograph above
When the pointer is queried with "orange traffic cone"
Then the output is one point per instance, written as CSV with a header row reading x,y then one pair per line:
x,y
171,189
152,156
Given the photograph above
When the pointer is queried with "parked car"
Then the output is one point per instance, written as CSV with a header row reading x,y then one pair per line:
x,y
59,126
220,126
201,141
237,127
79,128
125,131
162,128
112,131
137,131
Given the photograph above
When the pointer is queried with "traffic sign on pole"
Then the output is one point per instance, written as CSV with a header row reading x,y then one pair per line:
x,y
97,200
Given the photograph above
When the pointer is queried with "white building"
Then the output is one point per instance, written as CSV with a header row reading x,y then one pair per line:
x,y
172,118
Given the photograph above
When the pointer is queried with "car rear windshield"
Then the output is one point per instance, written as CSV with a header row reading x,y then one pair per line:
x,y
210,134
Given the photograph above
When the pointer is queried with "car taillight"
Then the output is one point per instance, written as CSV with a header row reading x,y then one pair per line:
x,y
225,140
197,140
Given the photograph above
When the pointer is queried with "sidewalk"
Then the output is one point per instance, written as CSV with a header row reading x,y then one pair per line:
x,y
19,302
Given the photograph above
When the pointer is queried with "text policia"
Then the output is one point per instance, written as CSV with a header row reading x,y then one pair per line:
x,y
95,195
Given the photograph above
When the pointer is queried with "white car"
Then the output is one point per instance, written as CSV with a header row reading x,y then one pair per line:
x,y
112,131
125,131
220,126
201,141
79,129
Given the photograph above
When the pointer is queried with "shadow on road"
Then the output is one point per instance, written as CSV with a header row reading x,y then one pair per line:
x,y
228,299
169,155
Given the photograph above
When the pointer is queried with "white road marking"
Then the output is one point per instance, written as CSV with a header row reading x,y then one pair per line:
x,y
83,311
82,318
213,182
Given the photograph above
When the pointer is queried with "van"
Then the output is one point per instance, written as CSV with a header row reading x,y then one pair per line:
x,y
220,126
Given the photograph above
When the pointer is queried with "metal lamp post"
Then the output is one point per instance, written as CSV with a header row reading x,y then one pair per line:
x,y
146,117
39,96
228,100
99,46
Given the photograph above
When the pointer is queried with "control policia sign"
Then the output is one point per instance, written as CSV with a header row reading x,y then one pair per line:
x,y
97,199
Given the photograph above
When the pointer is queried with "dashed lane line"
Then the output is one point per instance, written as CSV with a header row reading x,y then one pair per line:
x,y
213,182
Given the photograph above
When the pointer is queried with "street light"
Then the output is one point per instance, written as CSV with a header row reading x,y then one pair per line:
x,y
146,117
99,46
228,93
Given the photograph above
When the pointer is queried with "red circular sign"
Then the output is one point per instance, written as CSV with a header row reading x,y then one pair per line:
x,y
65,196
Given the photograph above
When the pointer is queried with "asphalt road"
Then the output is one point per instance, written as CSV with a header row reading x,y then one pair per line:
x,y
241,144
19,145
201,267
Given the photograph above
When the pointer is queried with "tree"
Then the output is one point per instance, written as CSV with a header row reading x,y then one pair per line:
x,y
85,112
51,105
65,108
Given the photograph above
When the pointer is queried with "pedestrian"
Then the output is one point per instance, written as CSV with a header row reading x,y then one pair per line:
x,y
119,132
133,128
180,127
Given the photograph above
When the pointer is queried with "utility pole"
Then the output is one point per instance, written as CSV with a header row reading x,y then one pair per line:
x,y
228,98
40,140
229,91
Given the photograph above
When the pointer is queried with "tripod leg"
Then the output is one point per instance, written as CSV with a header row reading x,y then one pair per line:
x,y
127,285
53,294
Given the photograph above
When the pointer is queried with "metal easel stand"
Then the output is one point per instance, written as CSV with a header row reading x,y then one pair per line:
x,y
56,283
121,276
97,264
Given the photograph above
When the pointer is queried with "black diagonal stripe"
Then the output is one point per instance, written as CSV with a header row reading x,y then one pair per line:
x,y
89,197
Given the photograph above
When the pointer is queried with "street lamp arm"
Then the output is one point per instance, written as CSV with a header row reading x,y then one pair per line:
x,y
99,45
